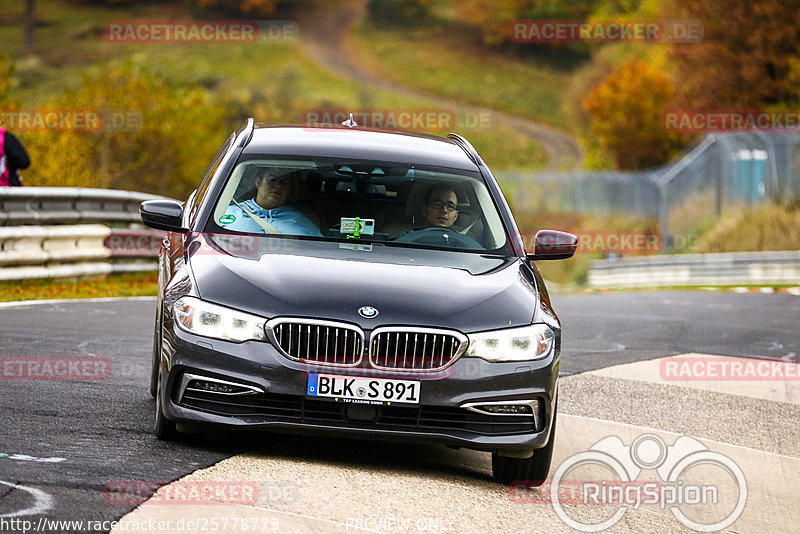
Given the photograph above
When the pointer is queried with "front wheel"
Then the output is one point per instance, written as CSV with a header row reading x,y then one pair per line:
x,y
155,361
530,471
164,428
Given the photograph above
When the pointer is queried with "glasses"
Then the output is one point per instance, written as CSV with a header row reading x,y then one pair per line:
x,y
439,205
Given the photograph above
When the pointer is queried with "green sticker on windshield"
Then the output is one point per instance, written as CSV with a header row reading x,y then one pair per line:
x,y
227,219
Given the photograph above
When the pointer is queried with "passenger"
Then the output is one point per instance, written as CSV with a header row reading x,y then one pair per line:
x,y
267,212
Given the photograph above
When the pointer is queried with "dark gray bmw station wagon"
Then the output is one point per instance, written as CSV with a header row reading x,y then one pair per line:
x,y
356,283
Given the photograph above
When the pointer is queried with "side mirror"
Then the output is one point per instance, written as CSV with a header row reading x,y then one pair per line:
x,y
162,215
553,245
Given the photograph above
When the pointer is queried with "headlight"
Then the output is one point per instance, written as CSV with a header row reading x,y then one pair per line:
x,y
211,320
512,345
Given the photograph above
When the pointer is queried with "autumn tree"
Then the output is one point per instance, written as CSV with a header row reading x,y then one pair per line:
x,y
164,138
6,72
744,58
625,112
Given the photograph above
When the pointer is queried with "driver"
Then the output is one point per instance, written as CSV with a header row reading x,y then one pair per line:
x,y
440,209
441,206
268,212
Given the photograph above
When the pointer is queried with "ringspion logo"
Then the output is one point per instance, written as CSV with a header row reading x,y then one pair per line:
x,y
691,478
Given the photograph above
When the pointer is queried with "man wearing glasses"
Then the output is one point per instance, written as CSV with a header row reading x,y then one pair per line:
x,y
441,206
441,211
268,212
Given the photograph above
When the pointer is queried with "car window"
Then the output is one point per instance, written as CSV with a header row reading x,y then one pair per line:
x,y
201,191
359,201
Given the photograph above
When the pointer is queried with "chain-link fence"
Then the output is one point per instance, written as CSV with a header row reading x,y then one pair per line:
x,y
723,169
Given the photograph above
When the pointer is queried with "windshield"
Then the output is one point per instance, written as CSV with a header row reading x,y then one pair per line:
x,y
360,201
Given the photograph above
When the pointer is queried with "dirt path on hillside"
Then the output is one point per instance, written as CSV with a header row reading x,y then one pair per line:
x,y
324,36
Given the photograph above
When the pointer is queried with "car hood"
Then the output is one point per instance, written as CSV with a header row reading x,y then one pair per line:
x,y
465,291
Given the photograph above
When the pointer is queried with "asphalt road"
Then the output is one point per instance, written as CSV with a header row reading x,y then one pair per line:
x,y
605,329
63,441
100,427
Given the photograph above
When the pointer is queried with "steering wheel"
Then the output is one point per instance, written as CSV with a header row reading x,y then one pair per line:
x,y
439,236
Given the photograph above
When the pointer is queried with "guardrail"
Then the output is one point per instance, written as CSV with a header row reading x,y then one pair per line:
x,y
36,251
75,250
725,269
43,232
69,205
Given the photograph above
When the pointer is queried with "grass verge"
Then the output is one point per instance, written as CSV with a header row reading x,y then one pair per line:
x,y
463,70
765,227
274,83
115,285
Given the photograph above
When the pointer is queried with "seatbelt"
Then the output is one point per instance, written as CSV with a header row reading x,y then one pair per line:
x,y
469,227
261,222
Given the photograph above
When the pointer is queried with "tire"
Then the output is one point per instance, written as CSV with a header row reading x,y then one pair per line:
x,y
163,428
156,359
533,471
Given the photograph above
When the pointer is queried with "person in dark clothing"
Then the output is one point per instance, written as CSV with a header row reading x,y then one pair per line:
x,y
13,158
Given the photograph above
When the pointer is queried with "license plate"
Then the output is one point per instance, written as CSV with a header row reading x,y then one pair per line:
x,y
363,390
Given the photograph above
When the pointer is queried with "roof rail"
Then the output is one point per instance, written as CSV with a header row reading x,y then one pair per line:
x,y
468,149
247,132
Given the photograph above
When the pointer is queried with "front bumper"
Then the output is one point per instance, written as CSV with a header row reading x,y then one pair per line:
x,y
276,399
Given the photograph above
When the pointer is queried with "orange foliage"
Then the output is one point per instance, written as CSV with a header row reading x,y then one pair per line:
x,y
626,112
744,58
7,68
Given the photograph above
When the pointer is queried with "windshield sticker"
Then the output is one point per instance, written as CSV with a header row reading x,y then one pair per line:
x,y
227,219
356,226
